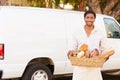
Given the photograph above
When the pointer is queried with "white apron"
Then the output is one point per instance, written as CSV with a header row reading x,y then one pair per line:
x,y
86,73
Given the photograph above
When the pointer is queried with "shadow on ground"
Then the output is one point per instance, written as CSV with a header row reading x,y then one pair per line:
x,y
105,77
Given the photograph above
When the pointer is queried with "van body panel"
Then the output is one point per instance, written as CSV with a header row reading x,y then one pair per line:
x,y
31,36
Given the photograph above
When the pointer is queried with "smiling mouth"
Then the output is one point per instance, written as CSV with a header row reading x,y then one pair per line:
x,y
89,23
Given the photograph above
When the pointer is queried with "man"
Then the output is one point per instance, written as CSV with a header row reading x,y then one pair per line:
x,y
92,36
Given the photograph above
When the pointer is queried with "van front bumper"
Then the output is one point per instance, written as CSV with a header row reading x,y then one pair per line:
x,y
1,72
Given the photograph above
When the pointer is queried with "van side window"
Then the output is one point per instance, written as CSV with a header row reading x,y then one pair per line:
x,y
112,28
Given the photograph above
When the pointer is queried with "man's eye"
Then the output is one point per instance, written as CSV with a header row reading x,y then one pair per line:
x,y
87,17
91,17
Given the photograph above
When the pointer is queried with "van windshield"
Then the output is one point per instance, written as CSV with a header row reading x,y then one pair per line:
x,y
112,28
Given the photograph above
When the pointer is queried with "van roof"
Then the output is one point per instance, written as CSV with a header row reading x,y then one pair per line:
x,y
47,9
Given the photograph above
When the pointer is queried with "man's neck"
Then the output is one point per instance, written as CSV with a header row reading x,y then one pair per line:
x,y
89,27
88,30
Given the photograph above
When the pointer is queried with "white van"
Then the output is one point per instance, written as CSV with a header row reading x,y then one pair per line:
x,y
34,41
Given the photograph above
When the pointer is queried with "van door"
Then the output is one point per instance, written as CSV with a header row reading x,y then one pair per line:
x,y
113,35
73,23
55,40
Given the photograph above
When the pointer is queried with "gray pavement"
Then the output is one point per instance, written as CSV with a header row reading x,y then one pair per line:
x,y
105,77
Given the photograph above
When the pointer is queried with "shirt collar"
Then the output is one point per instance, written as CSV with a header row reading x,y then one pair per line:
x,y
94,30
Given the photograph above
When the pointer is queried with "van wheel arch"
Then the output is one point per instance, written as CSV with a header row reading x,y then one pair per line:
x,y
37,71
42,61
45,61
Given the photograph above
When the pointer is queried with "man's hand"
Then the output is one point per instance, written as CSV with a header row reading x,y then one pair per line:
x,y
94,53
70,53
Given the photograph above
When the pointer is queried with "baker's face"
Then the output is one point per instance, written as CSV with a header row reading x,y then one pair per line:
x,y
89,19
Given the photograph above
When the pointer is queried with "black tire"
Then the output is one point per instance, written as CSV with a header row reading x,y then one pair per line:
x,y
37,71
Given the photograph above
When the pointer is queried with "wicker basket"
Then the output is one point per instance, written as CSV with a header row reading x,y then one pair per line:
x,y
97,61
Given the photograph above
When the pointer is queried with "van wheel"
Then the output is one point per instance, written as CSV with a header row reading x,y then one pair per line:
x,y
37,71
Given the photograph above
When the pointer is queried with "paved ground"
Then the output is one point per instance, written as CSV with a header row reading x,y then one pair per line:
x,y
105,77
110,77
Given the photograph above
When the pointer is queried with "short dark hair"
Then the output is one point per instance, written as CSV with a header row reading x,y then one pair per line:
x,y
90,11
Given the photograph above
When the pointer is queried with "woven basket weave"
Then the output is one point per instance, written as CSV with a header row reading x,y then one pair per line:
x,y
97,61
